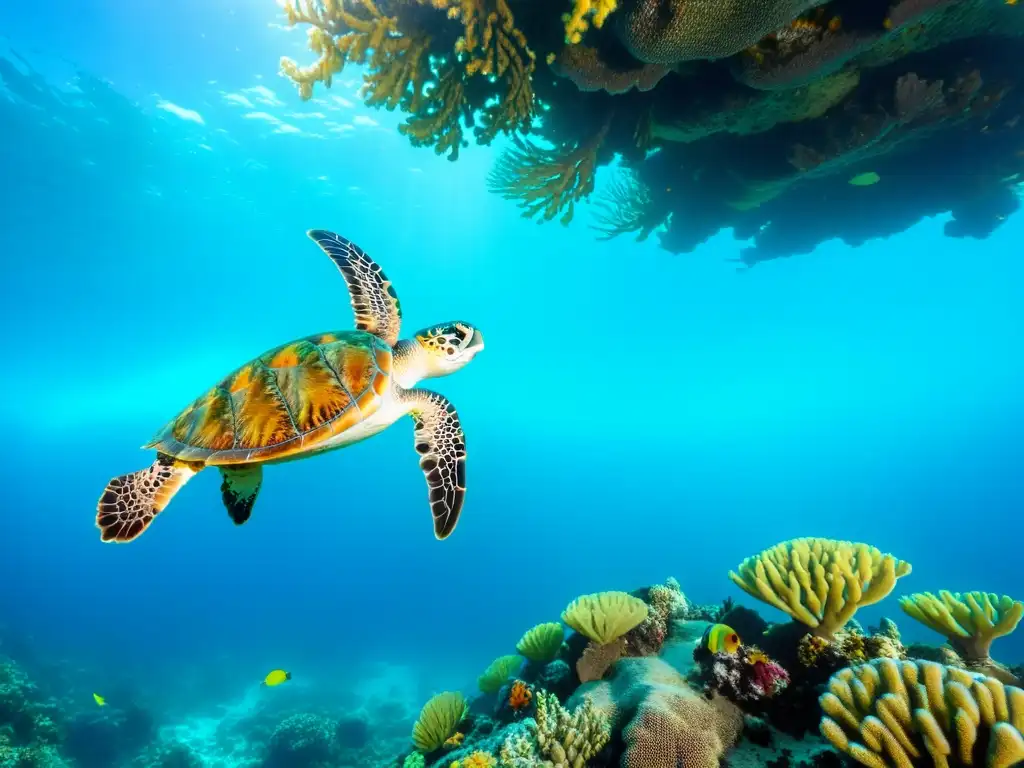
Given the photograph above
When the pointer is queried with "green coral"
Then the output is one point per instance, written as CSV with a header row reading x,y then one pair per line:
x,y
542,642
438,720
498,672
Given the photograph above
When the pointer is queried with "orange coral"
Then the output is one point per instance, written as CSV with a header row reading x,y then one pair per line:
x,y
478,759
519,696
455,740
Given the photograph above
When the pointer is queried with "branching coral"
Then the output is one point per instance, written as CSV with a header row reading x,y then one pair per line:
x,y
627,206
402,74
547,181
970,621
820,582
569,739
584,13
494,46
890,714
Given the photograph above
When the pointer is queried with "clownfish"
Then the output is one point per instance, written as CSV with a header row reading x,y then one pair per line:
x,y
720,638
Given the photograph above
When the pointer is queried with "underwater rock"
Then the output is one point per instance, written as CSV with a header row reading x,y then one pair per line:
x,y
352,732
98,739
300,741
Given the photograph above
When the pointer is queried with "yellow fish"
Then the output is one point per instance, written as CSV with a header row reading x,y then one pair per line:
x,y
276,677
1011,2
720,638
99,700
865,179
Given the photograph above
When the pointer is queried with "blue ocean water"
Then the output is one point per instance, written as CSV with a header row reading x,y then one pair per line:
x,y
634,416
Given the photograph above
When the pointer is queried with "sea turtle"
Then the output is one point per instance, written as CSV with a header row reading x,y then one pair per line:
x,y
308,396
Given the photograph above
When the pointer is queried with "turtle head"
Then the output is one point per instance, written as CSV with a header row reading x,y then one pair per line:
x,y
449,346
437,351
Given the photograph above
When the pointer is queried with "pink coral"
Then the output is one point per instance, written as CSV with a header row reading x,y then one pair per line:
x,y
747,675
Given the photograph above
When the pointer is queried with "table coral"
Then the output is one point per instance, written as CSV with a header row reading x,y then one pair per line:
x,y
889,714
820,582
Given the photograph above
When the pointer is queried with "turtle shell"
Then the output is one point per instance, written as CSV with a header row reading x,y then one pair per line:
x,y
287,401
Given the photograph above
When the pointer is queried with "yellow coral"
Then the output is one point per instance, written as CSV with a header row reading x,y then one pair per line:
x,y
584,13
494,46
604,617
892,714
477,759
547,181
820,582
542,642
438,720
970,621
569,740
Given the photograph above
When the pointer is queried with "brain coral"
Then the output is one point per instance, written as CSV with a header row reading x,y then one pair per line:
x,y
670,31
664,721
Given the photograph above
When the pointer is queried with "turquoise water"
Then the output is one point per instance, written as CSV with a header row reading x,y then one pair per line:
x,y
635,415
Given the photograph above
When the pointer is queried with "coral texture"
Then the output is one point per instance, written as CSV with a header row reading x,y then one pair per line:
x,y
889,714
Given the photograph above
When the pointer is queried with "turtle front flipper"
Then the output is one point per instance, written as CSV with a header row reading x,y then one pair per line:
x,y
131,502
240,488
373,299
441,446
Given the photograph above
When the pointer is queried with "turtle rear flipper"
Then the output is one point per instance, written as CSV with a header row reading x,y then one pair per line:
x,y
130,502
239,489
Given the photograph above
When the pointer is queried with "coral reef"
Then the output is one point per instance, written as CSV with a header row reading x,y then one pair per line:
x,y
542,643
438,720
820,582
722,115
902,711
970,622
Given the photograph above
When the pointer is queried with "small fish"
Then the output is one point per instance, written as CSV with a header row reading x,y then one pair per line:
x,y
276,677
720,638
1011,2
865,179
99,700
887,24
